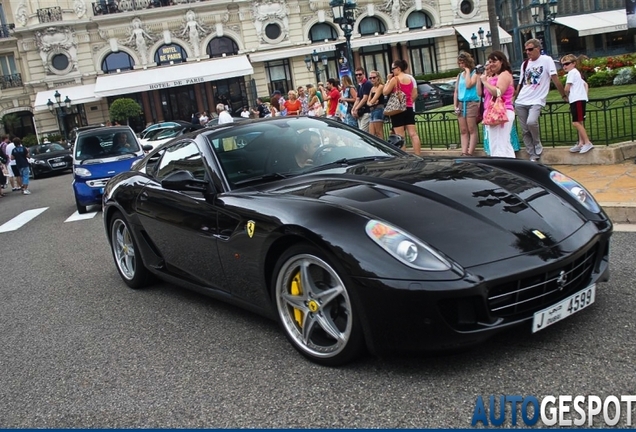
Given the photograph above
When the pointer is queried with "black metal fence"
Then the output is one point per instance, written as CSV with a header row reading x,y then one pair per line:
x,y
608,121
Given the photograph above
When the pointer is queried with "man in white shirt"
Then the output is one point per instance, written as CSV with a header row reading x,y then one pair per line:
x,y
532,91
245,113
224,116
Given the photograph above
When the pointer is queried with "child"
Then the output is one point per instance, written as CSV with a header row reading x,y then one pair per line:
x,y
576,89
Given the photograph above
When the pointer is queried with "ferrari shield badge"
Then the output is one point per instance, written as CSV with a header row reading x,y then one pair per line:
x,y
535,232
250,228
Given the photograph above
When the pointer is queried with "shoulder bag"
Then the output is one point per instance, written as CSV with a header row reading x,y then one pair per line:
x,y
496,113
397,101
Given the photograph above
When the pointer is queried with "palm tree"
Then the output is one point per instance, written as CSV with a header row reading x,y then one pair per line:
x,y
494,24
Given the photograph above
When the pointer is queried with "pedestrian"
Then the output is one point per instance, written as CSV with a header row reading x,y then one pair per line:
x,y
261,109
204,119
499,85
315,107
376,105
5,160
292,104
277,100
333,96
467,99
348,94
195,118
576,89
20,155
224,116
14,173
404,121
304,100
245,113
360,109
534,84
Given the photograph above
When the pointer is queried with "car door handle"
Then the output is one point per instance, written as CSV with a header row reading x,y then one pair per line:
x,y
143,196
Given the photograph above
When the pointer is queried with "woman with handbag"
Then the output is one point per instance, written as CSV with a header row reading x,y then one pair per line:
x,y
398,81
348,96
499,113
376,105
467,99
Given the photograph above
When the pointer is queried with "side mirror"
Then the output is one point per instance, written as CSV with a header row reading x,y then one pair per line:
x,y
184,181
146,147
396,140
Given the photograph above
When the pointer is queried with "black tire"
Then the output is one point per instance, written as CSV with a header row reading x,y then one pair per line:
x,y
315,308
32,173
80,208
127,258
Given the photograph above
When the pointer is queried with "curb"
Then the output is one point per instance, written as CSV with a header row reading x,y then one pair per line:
x,y
624,213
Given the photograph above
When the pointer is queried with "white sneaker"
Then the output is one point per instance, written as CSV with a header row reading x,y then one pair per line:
x,y
575,149
534,158
538,149
587,147
26,192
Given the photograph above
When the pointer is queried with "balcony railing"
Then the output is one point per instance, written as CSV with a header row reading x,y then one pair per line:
x,y
104,7
10,81
51,14
5,30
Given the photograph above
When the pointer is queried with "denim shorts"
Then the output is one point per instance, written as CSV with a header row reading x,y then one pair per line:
x,y
377,115
24,173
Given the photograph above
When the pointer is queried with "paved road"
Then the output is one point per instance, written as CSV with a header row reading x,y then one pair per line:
x,y
79,349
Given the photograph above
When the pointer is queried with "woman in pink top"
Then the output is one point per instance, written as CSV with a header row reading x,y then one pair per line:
x,y
406,83
499,81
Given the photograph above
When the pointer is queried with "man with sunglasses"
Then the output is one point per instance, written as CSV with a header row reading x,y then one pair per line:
x,y
360,109
534,84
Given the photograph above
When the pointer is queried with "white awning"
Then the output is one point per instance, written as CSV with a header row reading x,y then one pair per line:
x,y
292,52
77,95
172,76
596,22
402,37
467,31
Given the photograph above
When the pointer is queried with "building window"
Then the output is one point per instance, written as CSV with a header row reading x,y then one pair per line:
x,y
423,56
369,26
273,31
376,58
278,76
59,62
170,54
320,32
117,62
466,7
7,63
219,46
418,20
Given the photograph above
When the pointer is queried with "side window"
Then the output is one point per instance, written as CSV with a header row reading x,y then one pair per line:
x,y
184,155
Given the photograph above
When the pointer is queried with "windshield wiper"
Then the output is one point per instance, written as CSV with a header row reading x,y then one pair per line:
x,y
346,162
270,176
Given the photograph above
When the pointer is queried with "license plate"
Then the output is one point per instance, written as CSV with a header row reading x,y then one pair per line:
x,y
58,164
564,308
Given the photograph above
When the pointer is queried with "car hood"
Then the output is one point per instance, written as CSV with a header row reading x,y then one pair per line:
x,y
451,205
51,155
108,168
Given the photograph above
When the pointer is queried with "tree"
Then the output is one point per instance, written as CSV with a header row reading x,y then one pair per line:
x,y
494,24
124,108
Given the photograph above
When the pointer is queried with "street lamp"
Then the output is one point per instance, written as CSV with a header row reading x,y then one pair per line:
x,y
344,14
544,12
60,111
480,43
314,60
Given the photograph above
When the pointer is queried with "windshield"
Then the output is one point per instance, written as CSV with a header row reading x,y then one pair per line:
x,y
291,146
106,144
164,133
45,148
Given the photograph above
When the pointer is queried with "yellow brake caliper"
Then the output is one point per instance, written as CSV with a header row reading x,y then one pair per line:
x,y
296,290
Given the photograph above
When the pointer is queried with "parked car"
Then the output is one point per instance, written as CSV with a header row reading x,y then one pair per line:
x,y
427,97
98,155
144,134
446,92
72,136
49,158
352,243
159,136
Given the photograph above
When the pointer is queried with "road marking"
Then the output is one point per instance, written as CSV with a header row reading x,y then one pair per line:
x,y
76,216
21,219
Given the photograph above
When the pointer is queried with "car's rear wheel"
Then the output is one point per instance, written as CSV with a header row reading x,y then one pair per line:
x,y
126,254
315,307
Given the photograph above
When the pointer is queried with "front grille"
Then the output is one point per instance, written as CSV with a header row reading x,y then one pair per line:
x,y
521,298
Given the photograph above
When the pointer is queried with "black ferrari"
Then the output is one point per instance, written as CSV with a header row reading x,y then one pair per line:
x,y
351,243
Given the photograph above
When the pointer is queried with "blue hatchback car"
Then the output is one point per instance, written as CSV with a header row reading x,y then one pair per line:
x,y
100,154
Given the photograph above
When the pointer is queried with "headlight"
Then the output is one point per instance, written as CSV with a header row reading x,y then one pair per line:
x,y
412,252
82,172
576,190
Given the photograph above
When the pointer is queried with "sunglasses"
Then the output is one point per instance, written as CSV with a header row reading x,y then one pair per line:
x,y
566,63
359,74
393,67
372,77
531,49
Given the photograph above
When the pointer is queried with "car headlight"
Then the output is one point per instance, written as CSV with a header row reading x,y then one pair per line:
x,y
82,172
576,190
406,249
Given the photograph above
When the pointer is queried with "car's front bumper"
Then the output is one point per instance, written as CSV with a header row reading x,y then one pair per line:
x,y
411,315
89,191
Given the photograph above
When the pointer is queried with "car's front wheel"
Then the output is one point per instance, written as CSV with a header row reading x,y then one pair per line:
x,y
126,254
81,209
315,307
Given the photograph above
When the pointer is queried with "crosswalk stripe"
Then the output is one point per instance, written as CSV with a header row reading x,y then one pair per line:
x,y
21,219
76,216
